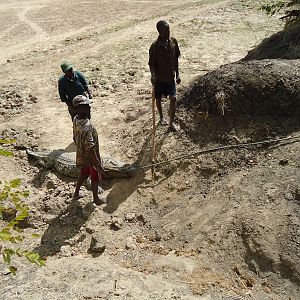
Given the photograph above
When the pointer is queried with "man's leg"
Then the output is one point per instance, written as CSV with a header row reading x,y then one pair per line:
x,y
159,108
94,186
159,91
79,183
172,112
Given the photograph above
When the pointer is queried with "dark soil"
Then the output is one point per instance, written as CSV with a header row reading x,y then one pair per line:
x,y
283,44
269,87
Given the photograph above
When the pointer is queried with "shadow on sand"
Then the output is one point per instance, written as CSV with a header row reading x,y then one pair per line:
x,y
63,227
123,188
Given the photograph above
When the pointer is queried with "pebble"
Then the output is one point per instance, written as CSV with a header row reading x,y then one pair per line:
x,y
130,217
66,251
90,230
97,244
130,243
117,222
283,162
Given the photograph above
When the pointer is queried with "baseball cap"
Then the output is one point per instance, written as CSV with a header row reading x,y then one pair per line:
x,y
66,66
81,100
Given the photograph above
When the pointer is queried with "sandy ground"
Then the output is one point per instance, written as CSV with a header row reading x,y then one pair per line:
x,y
188,241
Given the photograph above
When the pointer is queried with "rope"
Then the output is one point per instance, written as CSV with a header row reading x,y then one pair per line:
x,y
220,148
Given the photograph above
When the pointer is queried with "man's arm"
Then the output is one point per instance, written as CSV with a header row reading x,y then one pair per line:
x,y
88,90
62,92
95,158
92,152
85,84
177,54
96,161
178,79
152,63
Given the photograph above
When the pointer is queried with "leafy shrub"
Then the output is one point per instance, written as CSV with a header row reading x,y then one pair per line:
x,y
13,210
291,7
5,152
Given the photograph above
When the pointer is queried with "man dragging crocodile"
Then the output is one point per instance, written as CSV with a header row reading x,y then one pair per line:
x,y
87,148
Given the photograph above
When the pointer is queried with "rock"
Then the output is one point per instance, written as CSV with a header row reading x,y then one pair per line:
x,y
59,189
141,219
207,170
51,182
130,244
117,222
66,251
272,193
90,230
130,217
289,196
236,139
8,214
32,98
25,223
97,244
157,237
88,209
22,155
283,162
131,72
297,194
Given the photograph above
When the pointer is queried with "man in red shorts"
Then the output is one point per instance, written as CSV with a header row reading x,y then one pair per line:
x,y
87,152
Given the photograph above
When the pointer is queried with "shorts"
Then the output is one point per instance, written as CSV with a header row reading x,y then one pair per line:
x,y
165,89
90,171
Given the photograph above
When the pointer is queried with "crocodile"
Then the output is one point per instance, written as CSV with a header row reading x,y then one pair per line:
x,y
65,163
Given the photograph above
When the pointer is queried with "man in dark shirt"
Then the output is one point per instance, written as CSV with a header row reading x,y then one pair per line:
x,y
163,63
71,84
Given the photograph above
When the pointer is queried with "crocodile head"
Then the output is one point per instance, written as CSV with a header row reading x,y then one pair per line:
x,y
45,158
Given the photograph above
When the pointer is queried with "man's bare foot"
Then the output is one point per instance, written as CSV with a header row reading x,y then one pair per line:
x,y
173,127
99,200
163,122
77,196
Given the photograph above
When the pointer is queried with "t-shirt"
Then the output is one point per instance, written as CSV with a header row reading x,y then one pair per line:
x,y
86,138
163,59
68,88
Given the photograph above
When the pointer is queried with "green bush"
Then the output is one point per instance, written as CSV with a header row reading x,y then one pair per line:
x,y
11,204
5,152
13,211
291,8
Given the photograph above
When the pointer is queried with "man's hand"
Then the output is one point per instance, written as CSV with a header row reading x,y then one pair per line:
x,y
178,80
153,79
100,171
90,93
